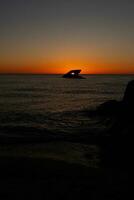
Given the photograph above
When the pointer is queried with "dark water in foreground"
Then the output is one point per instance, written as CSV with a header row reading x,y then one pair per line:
x,y
54,103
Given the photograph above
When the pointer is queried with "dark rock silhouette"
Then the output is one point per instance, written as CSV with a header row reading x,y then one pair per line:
x,y
128,98
113,107
109,108
73,74
115,150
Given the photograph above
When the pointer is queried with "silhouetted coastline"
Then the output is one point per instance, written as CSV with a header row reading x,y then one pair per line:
x,y
102,172
116,151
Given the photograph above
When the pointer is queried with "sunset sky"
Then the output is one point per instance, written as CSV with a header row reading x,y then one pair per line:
x,y
54,36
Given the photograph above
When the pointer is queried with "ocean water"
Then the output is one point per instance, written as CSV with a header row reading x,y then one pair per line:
x,y
54,103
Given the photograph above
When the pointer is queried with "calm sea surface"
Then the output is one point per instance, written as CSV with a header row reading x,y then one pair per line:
x,y
52,102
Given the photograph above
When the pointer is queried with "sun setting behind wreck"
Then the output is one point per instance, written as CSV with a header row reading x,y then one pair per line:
x,y
74,74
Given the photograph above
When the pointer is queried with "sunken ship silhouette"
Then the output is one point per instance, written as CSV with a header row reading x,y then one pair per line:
x,y
74,74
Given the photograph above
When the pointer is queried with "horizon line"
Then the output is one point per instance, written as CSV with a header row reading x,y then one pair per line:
x,y
63,73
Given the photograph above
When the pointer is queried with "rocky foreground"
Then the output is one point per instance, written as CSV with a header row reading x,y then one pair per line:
x,y
91,167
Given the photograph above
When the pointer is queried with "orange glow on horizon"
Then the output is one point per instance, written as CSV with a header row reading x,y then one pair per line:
x,y
51,68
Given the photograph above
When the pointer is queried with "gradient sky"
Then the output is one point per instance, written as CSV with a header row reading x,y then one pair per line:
x,y
53,36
